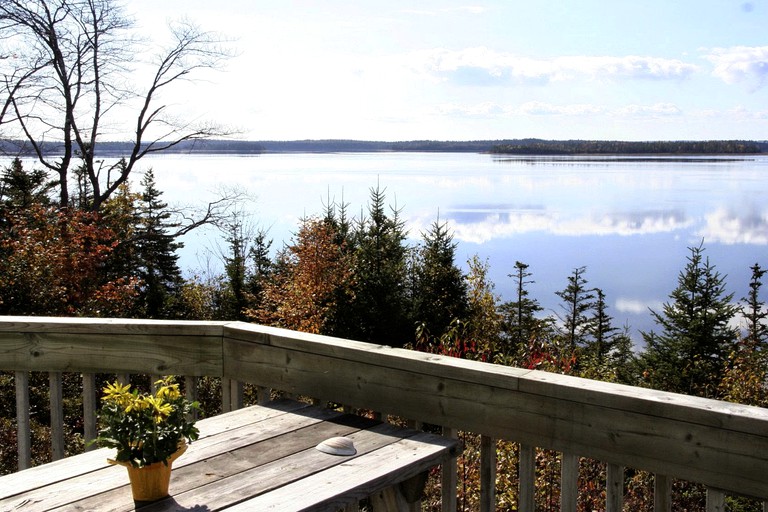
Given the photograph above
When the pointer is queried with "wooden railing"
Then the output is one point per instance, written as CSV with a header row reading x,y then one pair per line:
x,y
721,445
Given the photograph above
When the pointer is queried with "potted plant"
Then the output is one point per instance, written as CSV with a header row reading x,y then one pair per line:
x,y
149,431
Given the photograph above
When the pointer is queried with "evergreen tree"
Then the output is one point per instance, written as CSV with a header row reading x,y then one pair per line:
x,y
440,294
754,310
601,330
235,269
21,189
578,300
689,354
520,322
261,267
156,252
379,312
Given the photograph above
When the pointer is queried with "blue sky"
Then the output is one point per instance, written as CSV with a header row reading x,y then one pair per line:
x,y
454,70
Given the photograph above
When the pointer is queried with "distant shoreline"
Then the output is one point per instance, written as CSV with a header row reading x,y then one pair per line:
x,y
529,147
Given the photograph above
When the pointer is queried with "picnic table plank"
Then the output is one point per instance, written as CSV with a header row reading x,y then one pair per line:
x,y
355,478
265,478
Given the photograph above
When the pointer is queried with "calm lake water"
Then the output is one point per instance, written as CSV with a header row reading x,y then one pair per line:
x,y
629,221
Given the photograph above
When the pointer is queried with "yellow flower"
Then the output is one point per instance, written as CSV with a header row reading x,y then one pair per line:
x,y
169,392
117,393
162,409
138,403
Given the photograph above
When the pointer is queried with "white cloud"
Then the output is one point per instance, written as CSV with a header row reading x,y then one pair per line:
x,y
739,64
541,108
483,66
655,110
637,306
727,227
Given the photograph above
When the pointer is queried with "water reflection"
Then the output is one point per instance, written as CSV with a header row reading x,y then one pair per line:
x,y
482,223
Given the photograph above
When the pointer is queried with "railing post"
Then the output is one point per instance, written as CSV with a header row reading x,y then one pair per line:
x,y
527,478
57,415
23,427
90,431
487,474
614,482
715,500
662,493
449,477
569,482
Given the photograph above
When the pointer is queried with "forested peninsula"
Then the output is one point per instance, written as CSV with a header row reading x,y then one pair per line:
x,y
503,147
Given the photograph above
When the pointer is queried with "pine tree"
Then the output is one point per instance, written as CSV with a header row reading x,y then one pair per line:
x,y
578,300
440,294
235,269
20,188
156,252
753,310
261,267
601,330
689,354
520,322
379,313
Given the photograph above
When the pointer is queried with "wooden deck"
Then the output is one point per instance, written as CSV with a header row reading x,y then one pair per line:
x,y
720,445
256,458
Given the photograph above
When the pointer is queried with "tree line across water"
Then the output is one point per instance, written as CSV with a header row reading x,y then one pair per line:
x,y
538,147
356,277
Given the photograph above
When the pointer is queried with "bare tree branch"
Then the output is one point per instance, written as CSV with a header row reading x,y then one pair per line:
x,y
65,79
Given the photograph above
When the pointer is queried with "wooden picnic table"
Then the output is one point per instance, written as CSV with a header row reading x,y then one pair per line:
x,y
261,457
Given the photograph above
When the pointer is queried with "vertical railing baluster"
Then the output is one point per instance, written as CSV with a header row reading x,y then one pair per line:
x,y
23,426
226,395
89,410
715,500
449,477
662,493
487,474
237,394
263,395
190,391
57,415
614,482
527,478
569,482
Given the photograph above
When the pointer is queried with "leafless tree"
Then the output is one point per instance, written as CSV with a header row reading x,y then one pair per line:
x,y
67,69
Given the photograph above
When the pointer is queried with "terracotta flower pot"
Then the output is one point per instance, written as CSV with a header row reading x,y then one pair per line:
x,y
150,483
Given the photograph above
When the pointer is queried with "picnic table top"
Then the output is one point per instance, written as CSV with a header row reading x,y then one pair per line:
x,y
262,457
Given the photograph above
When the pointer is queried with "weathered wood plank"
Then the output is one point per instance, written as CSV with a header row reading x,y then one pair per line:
x,y
614,482
355,478
715,500
569,482
449,477
90,430
662,493
527,475
487,474
365,353
56,400
129,353
222,457
230,425
111,326
23,426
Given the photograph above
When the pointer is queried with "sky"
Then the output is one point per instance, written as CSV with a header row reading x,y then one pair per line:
x,y
476,70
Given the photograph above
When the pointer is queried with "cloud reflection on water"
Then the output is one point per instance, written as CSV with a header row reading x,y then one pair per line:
x,y
482,223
